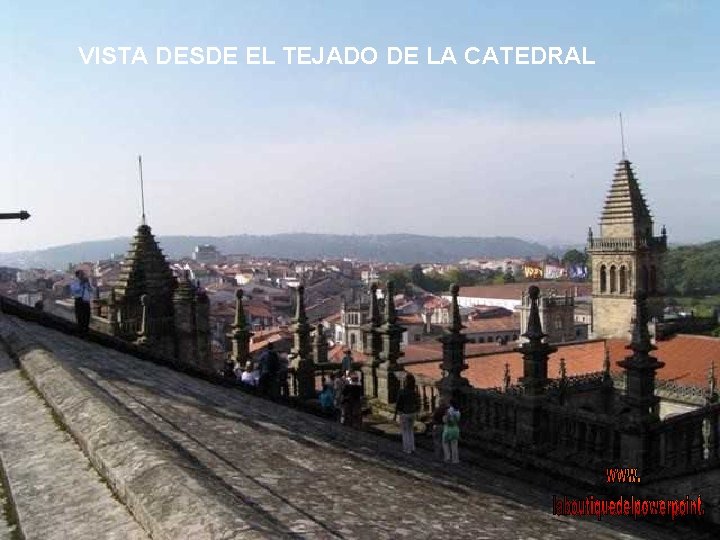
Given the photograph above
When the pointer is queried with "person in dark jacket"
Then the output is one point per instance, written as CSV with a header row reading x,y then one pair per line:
x,y
351,402
407,406
269,369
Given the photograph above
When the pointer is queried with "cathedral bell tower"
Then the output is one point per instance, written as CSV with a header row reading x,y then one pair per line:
x,y
626,258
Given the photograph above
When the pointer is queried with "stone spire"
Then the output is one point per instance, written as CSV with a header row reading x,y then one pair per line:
x,y
185,307
391,331
320,345
625,212
563,381
303,362
606,361
374,323
388,383
239,335
507,379
535,351
453,348
640,367
301,328
145,269
712,395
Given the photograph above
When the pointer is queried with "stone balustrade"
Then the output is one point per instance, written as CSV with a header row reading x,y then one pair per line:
x,y
626,244
686,442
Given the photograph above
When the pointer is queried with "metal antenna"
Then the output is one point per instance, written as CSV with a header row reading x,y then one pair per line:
x,y
142,189
622,138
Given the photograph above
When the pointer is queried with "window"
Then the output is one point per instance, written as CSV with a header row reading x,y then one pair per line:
x,y
613,279
623,280
603,279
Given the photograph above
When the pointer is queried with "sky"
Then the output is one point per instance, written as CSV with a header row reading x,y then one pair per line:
x,y
445,150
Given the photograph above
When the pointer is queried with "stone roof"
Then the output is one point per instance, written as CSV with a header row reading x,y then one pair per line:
x,y
145,269
625,203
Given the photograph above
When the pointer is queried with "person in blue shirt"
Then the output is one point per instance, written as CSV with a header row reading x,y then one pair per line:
x,y
82,292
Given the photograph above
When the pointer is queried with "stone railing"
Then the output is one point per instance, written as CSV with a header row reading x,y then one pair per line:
x,y
488,415
584,438
673,390
626,244
322,375
428,394
583,382
686,443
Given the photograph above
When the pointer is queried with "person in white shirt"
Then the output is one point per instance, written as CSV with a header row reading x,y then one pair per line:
x,y
82,292
249,376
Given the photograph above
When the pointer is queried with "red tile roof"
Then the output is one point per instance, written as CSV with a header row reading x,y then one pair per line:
x,y
514,290
493,324
687,359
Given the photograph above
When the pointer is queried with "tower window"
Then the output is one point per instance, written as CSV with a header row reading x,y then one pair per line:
x,y
603,279
613,279
623,280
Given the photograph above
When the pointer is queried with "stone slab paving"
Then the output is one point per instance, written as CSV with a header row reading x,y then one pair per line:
x,y
56,492
306,473
171,495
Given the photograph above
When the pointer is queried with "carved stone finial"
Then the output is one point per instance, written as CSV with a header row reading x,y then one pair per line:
x,y
240,320
606,361
375,319
300,315
390,313
456,322
712,383
534,327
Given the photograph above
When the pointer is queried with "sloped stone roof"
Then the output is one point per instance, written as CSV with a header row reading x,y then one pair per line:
x,y
145,269
625,203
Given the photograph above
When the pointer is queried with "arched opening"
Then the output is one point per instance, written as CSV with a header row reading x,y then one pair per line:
x,y
644,278
603,279
653,279
613,279
623,280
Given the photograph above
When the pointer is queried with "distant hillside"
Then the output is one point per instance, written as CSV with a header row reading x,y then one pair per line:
x,y
402,248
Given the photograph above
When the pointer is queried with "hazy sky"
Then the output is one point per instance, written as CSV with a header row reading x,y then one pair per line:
x,y
488,150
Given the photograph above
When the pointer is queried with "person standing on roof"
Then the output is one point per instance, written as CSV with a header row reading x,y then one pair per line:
x,y
82,292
